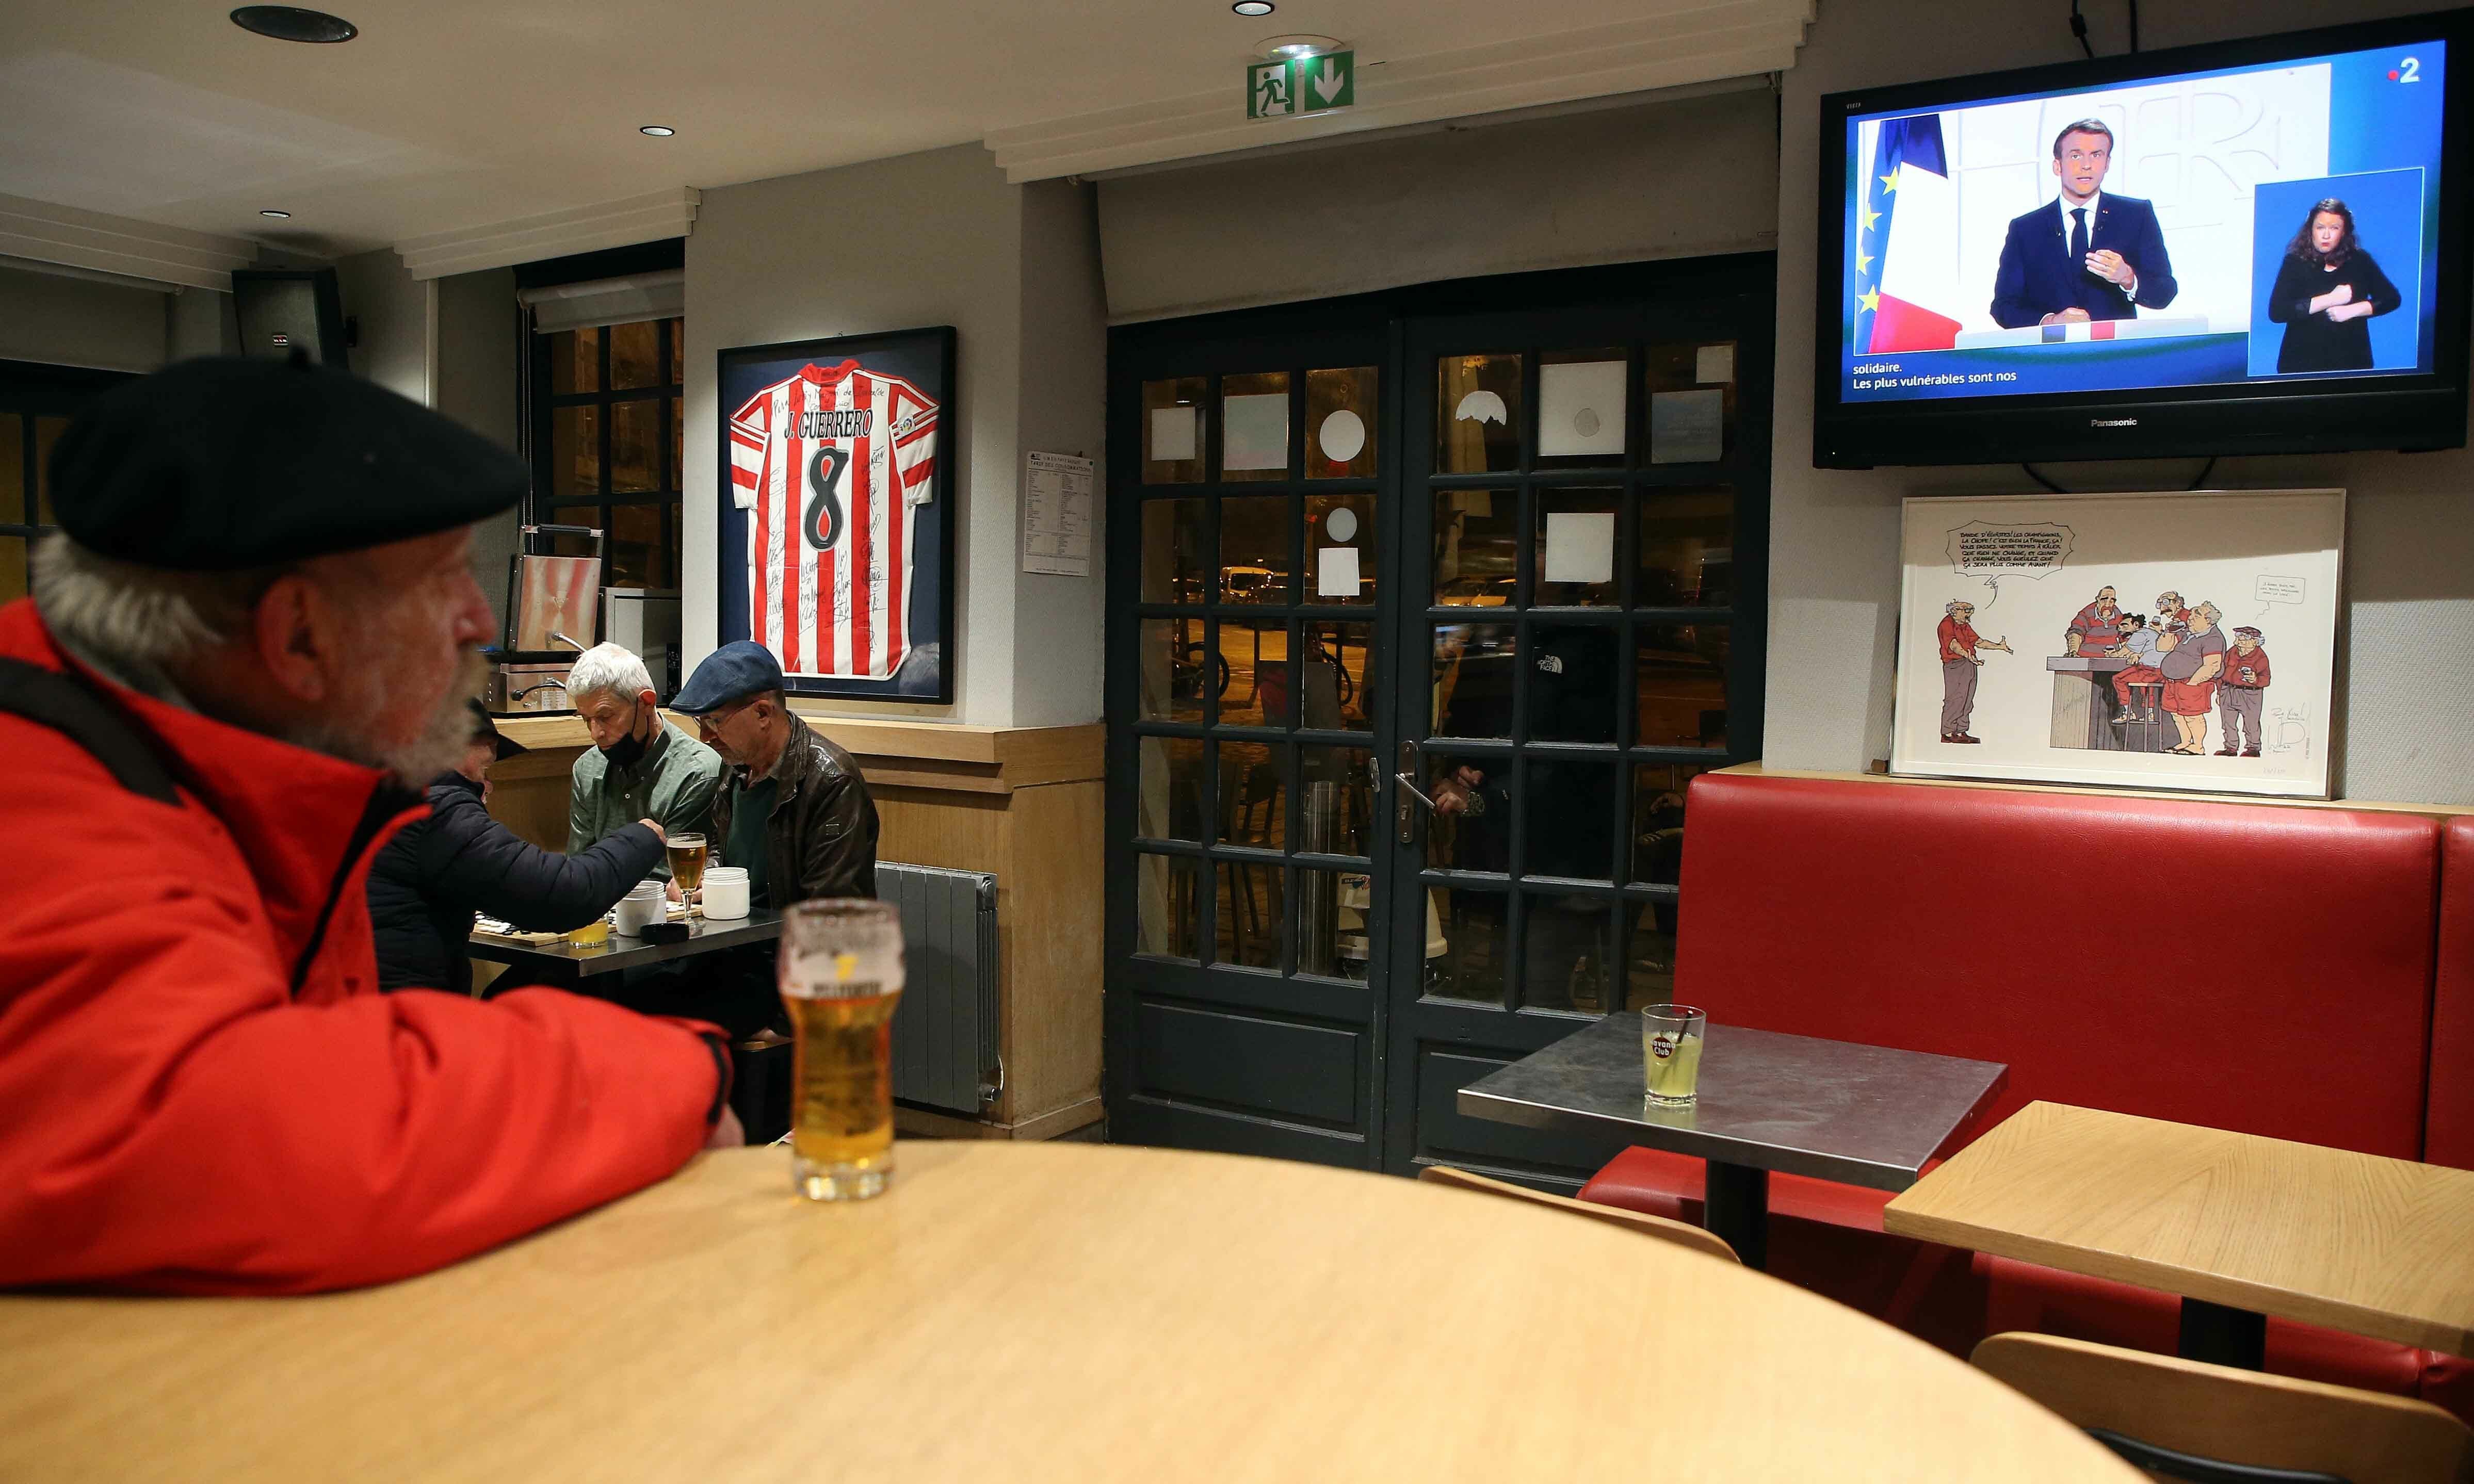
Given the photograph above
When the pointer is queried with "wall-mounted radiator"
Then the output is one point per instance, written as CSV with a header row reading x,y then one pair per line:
x,y
945,1029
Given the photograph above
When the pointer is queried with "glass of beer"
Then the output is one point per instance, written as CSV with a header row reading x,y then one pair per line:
x,y
687,862
1670,1050
842,975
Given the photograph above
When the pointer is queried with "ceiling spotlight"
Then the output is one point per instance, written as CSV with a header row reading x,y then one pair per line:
x,y
291,23
1252,7
1286,47
657,130
280,216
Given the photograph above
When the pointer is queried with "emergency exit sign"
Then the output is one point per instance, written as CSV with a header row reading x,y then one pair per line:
x,y
1298,85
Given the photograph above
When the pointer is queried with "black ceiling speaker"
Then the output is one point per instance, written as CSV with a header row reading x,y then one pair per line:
x,y
283,314
291,23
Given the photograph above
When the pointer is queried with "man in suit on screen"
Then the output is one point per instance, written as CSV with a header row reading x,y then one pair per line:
x,y
2090,255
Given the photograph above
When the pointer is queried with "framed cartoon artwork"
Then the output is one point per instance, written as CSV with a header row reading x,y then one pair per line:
x,y
2159,641
837,520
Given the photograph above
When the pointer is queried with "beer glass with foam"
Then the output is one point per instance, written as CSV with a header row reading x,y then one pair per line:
x,y
841,972
687,857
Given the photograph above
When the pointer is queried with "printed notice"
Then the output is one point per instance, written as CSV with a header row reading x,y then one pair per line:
x,y
1057,515
1580,547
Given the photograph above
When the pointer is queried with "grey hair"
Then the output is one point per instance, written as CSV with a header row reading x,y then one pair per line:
x,y
2213,611
1950,609
123,611
608,667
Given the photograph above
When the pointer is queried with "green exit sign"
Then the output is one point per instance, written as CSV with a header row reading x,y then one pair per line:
x,y
1298,85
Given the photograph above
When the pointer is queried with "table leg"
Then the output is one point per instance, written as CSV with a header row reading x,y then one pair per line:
x,y
1735,1205
2223,1336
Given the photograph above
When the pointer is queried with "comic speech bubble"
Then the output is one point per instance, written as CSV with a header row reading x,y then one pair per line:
x,y
1981,548
2277,589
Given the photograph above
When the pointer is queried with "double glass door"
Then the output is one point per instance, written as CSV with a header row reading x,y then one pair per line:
x,y
1421,619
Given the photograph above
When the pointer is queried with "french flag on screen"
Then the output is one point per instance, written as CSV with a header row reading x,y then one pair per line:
x,y
1911,234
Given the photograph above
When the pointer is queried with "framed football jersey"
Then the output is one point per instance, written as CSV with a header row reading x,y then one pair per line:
x,y
837,516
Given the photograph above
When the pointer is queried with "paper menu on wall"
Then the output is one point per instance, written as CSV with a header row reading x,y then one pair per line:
x,y
1056,514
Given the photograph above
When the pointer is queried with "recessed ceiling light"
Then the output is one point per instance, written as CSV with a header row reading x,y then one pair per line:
x,y
291,23
1252,7
657,130
280,216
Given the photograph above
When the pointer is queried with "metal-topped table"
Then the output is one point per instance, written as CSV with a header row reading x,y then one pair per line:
x,y
1837,1110
563,958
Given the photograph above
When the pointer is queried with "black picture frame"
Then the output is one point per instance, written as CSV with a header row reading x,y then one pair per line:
x,y
925,358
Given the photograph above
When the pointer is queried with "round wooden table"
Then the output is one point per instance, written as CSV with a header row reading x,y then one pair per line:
x,y
1027,1312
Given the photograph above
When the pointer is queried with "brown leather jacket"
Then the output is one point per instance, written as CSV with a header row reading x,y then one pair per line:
x,y
820,839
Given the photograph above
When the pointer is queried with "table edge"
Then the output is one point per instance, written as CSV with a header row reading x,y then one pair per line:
x,y
1871,1175
643,953
2296,1304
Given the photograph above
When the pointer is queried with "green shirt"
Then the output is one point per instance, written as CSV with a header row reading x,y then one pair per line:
x,y
745,846
672,785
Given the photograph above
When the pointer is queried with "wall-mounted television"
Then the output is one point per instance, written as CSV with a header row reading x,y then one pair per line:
x,y
2251,247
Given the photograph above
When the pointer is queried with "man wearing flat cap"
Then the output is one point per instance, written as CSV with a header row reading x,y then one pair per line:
x,y
792,808
253,634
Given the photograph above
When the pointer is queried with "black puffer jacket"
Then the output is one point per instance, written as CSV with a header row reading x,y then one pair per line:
x,y
431,878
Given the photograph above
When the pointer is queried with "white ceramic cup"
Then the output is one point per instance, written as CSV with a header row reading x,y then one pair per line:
x,y
725,892
641,909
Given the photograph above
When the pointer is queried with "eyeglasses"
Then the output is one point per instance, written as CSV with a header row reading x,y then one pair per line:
x,y
709,723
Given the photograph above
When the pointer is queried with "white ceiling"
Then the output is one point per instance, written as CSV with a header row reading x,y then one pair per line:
x,y
448,114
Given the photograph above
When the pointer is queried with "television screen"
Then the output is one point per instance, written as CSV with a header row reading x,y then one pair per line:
x,y
2213,249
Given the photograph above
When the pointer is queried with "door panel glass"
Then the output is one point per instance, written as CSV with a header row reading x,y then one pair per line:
x,y
1336,803
1691,390
1341,420
1173,430
1254,794
1583,403
1254,426
1572,671
1479,413
1340,559
1336,678
1467,944
1333,907
1168,793
1570,824
1680,671
1469,827
12,568
1568,958
1250,914
1476,550
575,360
1658,794
1176,671
1474,667
1174,567
635,355
47,432
12,470
1686,547
575,453
637,457
1649,966
1165,910
1254,549
1252,673
1574,549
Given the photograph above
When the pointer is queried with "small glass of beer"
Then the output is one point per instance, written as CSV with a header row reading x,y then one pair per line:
x,y
842,975
687,862
1670,1051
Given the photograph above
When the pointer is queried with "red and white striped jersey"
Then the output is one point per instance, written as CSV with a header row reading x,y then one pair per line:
x,y
832,463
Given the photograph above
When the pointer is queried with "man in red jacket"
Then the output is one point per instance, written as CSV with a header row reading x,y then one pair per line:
x,y
257,622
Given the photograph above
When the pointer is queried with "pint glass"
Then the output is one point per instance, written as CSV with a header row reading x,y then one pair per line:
x,y
687,861
842,975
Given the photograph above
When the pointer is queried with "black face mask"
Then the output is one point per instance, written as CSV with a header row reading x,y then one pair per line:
x,y
627,752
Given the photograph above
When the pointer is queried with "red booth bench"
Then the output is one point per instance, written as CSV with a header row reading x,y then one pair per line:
x,y
2289,971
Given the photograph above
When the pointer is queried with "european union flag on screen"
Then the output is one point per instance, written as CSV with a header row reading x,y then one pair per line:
x,y
1909,220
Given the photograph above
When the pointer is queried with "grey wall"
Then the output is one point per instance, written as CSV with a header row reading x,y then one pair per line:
x,y
73,322
479,367
395,316
1834,555
936,238
1676,179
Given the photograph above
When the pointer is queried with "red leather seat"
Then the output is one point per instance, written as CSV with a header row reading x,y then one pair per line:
x,y
2448,1132
2177,959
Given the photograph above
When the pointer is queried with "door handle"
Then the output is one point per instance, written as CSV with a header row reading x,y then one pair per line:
x,y
1404,816
1414,792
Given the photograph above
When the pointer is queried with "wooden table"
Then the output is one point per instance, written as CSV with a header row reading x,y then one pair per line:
x,y
1835,1109
2241,1227
1030,1312
559,957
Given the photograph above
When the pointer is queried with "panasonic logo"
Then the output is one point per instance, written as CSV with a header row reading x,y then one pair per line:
x,y
2113,422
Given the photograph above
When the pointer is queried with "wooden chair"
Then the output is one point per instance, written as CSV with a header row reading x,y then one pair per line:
x,y
2175,1418
1706,1243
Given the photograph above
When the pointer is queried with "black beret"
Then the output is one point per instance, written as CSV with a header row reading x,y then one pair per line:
x,y
217,464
